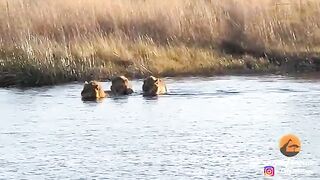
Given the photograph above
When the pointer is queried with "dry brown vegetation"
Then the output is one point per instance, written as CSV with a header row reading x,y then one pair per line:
x,y
48,42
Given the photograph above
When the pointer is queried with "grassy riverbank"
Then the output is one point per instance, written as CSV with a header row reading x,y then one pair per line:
x,y
47,42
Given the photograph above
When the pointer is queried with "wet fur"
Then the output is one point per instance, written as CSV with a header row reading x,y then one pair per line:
x,y
153,86
121,86
92,91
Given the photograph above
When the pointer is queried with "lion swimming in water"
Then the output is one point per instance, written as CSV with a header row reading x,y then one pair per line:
x,y
153,86
93,90
121,86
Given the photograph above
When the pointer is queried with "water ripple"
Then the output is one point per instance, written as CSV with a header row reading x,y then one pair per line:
x,y
204,128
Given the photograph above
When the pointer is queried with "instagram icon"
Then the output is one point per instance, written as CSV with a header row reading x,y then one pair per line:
x,y
269,171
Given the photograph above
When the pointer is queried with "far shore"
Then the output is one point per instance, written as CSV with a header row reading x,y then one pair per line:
x,y
45,42
300,68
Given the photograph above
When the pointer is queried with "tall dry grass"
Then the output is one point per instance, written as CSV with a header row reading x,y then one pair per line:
x,y
47,42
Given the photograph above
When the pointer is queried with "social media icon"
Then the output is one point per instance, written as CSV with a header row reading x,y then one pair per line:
x,y
269,171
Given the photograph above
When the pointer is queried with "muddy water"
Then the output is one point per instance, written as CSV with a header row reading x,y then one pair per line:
x,y
205,128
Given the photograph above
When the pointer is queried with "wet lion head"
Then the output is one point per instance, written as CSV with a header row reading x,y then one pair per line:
x,y
92,90
153,86
121,86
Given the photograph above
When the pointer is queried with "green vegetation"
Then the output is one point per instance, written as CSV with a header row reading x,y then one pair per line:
x,y
45,42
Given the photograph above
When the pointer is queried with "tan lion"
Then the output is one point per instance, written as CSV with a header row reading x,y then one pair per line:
x,y
92,91
153,86
121,86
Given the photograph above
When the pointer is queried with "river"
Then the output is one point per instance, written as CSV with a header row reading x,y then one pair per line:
x,y
205,128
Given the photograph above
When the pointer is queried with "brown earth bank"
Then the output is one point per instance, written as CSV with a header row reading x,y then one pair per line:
x,y
244,65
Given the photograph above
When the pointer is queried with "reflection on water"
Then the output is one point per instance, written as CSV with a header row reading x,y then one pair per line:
x,y
221,127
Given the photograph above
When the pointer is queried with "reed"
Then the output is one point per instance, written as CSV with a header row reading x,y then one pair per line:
x,y
47,42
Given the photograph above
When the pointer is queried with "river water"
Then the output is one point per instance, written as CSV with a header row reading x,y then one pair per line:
x,y
205,128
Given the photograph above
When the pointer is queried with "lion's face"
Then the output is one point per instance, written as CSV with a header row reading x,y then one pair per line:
x,y
121,86
153,86
92,90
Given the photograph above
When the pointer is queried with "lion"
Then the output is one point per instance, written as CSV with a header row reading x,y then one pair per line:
x,y
92,91
121,86
153,86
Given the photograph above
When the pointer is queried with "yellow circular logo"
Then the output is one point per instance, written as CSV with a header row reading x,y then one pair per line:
x,y
290,145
